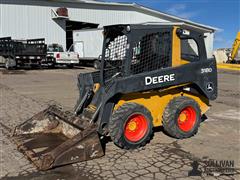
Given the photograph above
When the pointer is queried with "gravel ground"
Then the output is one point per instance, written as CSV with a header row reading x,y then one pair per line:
x,y
25,92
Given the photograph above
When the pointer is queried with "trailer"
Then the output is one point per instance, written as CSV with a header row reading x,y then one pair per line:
x,y
88,44
15,53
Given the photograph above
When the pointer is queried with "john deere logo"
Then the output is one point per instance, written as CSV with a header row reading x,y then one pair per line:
x,y
159,79
209,87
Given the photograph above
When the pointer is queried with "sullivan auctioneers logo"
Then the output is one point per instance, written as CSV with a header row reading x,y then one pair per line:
x,y
213,167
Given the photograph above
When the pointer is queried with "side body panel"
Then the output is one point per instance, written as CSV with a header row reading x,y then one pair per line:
x,y
192,73
157,101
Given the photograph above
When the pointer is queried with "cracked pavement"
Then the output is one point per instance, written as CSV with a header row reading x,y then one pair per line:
x,y
26,92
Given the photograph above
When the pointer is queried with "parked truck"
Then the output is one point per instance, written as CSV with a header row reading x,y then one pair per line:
x,y
15,53
57,56
88,44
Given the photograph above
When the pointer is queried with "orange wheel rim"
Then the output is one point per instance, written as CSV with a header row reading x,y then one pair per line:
x,y
187,119
135,128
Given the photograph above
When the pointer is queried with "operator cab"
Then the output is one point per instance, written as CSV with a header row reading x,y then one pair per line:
x,y
135,49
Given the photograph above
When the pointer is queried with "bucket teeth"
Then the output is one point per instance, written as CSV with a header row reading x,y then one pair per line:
x,y
54,137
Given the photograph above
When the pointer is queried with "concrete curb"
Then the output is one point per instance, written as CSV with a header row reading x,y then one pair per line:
x,y
235,67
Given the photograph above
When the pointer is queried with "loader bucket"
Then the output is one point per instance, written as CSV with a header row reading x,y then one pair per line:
x,y
53,138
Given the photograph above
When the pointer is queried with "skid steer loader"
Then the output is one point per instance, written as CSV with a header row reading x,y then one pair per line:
x,y
150,75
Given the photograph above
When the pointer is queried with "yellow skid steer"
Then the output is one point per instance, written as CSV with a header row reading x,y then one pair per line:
x,y
150,75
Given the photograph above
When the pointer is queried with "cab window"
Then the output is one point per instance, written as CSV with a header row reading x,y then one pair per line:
x,y
55,48
189,50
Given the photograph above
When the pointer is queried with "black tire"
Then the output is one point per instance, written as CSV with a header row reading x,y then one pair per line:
x,y
52,66
70,66
118,121
7,64
96,64
171,115
82,63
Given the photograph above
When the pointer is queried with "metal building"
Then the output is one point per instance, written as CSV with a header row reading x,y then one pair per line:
x,y
39,19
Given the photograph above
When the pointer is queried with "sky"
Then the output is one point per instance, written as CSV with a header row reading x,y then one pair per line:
x,y
222,14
